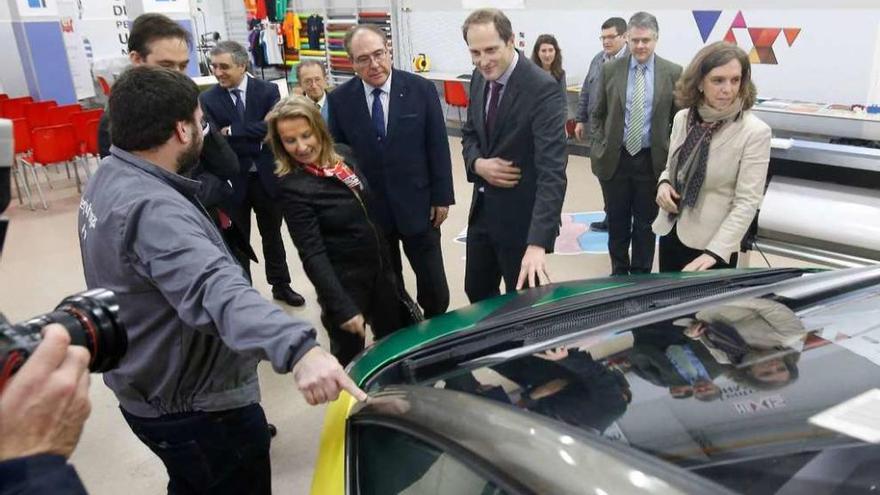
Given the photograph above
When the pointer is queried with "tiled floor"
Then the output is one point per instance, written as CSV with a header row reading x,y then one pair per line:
x,y
41,265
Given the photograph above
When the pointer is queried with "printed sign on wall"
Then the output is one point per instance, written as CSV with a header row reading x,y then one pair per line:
x,y
37,8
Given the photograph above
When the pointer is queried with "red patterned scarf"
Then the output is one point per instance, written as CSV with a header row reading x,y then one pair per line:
x,y
340,171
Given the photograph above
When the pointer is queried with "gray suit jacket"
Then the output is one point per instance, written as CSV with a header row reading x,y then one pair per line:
x,y
606,121
529,131
587,98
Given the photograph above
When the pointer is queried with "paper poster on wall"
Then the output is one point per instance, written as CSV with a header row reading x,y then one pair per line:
x,y
80,68
498,4
37,8
166,6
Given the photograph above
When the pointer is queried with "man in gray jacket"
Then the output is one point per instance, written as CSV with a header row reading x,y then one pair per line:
x,y
613,38
196,329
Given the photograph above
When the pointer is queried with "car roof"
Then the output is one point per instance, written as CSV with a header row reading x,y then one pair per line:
x,y
525,449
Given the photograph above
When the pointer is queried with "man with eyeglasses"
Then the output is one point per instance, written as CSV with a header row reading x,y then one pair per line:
x,y
393,122
238,105
629,134
613,38
156,40
312,77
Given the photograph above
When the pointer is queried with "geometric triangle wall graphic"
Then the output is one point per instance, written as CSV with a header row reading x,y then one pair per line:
x,y
764,37
706,20
729,37
766,55
739,21
791,34
753,56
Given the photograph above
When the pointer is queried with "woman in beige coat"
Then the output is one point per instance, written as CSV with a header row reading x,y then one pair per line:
x,y
717,166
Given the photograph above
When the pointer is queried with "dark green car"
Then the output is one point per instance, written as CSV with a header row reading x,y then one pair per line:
x,y
709,382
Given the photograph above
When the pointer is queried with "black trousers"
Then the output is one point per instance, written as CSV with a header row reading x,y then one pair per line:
x,y
269,218
674,255
378,301
210,452
488,262
630,207
426,259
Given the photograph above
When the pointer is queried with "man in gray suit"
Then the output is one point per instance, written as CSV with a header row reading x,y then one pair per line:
x,y
613,38
629,132
514,151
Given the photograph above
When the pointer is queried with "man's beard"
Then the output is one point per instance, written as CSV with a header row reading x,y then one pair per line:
x,y
187,161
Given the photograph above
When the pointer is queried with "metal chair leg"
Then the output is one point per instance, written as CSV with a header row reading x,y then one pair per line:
x,y
76,173
46,173
39,189
17,187
24,182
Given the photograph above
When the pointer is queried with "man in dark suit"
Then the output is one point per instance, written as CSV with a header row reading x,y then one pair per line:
x,y
237,106
629,132
613,38
393,122
514,152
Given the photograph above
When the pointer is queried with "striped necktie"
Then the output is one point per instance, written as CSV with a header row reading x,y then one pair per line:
x,y
637,113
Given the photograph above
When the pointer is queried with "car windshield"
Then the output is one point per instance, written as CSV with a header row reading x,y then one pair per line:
x,y
726,391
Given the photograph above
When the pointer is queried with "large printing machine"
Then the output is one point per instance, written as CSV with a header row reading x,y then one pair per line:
x,y
822,202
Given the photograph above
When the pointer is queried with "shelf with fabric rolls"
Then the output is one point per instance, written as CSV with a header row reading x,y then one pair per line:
x,y
341,69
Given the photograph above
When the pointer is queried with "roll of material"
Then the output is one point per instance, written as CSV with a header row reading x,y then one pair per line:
x,y
821,214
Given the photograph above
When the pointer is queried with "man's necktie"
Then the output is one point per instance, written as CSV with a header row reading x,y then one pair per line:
x,y
378,114
239,104
492,111
637,113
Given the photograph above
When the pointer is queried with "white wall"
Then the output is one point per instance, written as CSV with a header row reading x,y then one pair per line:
x,y
834,59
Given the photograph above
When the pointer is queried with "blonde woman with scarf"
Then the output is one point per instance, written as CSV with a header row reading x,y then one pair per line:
x,y
717,166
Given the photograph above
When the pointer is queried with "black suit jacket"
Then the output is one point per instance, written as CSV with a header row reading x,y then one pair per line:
x,y
410,170
246,138
530,132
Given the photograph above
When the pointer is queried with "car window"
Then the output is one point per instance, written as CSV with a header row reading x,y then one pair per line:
x,y
390,462
726,391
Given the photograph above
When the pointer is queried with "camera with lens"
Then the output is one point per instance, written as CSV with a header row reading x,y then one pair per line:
x,y
92,320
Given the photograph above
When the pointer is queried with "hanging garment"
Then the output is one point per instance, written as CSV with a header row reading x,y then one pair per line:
x,y
291,28
315,28
280,10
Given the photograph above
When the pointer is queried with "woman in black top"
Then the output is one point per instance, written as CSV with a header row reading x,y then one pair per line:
x,y
325,205
547,55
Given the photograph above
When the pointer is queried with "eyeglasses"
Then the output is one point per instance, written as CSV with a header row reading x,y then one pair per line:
x,y
376,56
609,37
205,127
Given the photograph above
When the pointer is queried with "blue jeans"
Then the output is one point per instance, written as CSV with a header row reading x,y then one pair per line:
x,y
210,452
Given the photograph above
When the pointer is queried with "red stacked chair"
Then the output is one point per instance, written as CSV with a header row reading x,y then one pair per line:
x,y
455,96
63,114
37,113
13,108
92,137
21,137
87,138
53,145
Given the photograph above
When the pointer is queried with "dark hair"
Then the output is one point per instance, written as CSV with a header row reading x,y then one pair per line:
x,y
486,16
309,63
346,42
687,89
148,28
556,65
618,23
147,103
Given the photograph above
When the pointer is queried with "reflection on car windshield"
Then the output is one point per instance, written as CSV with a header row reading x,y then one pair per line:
x,y
726,391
